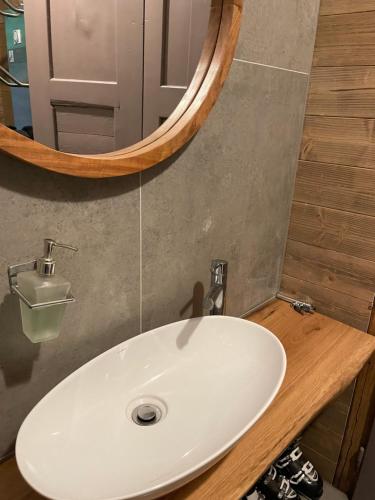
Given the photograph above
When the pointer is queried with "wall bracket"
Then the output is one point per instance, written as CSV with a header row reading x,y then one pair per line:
x,y
13,272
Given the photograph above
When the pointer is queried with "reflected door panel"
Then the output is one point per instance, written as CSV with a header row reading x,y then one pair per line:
x,y
85,73
174,36
104,75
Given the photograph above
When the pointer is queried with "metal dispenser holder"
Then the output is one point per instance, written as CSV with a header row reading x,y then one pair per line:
x,y
46,266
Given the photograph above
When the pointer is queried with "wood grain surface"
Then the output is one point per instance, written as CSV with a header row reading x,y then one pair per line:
x,y
339,140
344,188
319,266
330,256
323,358
348,37
329,7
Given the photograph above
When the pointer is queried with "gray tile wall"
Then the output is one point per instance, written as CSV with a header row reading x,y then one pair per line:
x,y
145,251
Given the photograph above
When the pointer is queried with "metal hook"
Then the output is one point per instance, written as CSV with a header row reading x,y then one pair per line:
x,y
14,81
9,14
12,7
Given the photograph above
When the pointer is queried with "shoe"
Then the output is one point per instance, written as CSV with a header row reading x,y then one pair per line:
x,y
274,486
303,477
253,495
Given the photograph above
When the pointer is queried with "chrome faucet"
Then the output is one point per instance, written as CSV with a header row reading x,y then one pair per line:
x,y
215,298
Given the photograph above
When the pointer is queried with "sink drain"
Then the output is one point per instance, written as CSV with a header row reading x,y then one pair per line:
x,y
146,414
146,410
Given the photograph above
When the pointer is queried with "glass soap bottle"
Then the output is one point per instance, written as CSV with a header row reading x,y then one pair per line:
x,y
40,286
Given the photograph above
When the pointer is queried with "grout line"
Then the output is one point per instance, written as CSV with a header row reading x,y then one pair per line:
x,y
140,187
140,257
273,67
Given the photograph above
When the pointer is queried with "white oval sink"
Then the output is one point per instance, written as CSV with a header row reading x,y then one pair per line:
x,y
212,378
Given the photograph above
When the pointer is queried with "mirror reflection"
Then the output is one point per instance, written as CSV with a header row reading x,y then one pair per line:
x,y
94,76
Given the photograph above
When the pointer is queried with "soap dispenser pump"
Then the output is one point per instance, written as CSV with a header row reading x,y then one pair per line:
x,y
43,294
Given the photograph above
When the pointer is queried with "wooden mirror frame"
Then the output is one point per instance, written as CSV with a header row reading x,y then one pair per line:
x,y
177,130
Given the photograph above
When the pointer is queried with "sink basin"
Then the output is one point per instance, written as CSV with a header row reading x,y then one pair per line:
x,y
152,413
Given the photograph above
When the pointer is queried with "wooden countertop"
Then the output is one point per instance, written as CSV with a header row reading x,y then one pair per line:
x,y
324,356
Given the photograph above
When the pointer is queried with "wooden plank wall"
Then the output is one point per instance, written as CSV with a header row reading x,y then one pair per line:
x,y
330,257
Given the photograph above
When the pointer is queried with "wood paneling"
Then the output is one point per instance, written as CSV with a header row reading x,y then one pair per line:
x,y
341,55
328,7
346,39
343,188
319,266
360,423
329,441
361,419
343,30
334,416
320,461
330,256
339,78
325,434
345,232
342,91
307,388
345,308
343,141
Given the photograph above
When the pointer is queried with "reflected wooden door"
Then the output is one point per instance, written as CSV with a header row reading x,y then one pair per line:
x,y
85,73
105,74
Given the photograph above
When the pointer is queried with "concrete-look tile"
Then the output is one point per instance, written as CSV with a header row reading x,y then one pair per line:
x,y
102,219
227,196
279,33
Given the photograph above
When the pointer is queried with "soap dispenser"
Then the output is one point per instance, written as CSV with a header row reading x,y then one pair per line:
x,y
44,294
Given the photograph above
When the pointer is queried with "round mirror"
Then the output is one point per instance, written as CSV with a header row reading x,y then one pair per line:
x,y
93,88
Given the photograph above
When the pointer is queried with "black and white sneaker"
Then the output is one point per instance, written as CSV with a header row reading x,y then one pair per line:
x,y
274,486
253,495
304,478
